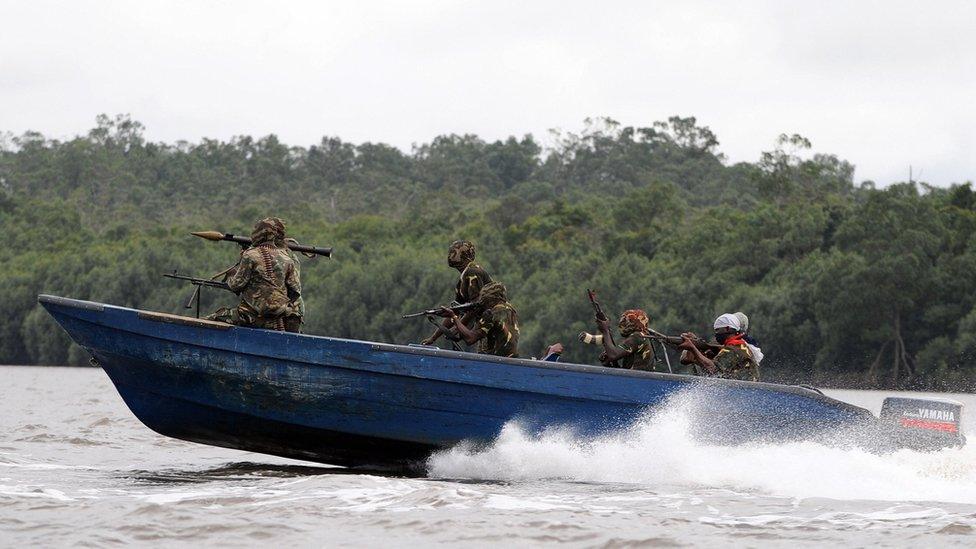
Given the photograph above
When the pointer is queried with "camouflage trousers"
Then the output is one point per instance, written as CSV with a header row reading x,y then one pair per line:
x,y
243,316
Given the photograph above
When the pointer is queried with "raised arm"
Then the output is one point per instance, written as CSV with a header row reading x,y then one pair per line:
x,y
611,352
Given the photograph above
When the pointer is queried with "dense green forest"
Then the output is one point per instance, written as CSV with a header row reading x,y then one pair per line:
x,y
845,283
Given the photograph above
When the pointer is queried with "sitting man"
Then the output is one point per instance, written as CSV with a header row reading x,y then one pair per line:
x,y
730,359
634,351
266,280
496,330
295,319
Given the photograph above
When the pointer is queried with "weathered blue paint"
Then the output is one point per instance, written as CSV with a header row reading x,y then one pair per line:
x,y
359,403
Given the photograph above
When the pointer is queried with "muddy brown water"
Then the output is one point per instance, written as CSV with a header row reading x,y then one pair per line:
x,y
77,468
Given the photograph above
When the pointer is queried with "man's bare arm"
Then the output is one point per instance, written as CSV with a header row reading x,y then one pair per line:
x,y
610,351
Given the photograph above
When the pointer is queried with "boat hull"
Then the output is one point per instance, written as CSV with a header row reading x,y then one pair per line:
x,y
357,403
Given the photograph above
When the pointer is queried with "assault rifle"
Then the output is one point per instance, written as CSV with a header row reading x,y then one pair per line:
x,y
600,315
674,341
199,283
245,241
456,307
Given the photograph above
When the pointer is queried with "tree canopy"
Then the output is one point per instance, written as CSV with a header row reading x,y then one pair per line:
x,y
844,283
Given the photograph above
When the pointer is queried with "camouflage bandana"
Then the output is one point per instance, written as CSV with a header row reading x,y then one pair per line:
x,y
633,321
267,231
491,294
280,226
460,253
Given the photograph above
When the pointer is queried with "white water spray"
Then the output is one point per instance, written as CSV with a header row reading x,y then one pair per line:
x,y
659,452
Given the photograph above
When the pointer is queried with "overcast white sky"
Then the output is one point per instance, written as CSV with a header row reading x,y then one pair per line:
x,y
881,84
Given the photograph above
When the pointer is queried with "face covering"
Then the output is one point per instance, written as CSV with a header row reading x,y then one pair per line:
x,y
454,259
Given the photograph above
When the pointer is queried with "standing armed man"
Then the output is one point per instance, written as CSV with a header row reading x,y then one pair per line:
x,y
460,256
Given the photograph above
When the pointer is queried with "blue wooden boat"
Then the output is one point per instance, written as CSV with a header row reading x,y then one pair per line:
x,y
358,403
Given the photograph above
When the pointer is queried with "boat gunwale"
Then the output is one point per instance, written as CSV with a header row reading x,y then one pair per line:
x,y
444,353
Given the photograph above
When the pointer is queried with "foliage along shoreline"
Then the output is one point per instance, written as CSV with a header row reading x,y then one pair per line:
x,y
846,285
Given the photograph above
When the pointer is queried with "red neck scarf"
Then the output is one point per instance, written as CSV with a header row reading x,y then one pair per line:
x,y
735,340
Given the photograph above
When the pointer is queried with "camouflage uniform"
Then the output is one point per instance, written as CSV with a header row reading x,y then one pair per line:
x,y
265,279
296,318
498,324
632,324
460,255
736,362
473,277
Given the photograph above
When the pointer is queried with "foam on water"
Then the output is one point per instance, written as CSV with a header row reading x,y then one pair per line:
x,y
138,488
660,451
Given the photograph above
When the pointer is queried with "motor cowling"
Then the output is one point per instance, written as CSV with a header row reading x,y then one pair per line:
x,y
923,423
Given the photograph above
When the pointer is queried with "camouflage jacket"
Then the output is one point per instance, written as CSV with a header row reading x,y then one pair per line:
x,y
267,281
473,278
296,298
735,362
641,354
500,331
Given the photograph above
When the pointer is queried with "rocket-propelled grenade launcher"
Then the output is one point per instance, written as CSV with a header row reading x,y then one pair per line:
x,y
245,241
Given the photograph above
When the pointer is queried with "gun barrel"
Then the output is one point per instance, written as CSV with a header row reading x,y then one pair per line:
x,y
199,281
246,241
701,344
421,313
597,309
327,252
456,308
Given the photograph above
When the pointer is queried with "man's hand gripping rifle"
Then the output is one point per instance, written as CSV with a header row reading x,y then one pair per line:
x,y
601,318
675,341
456,307
466,310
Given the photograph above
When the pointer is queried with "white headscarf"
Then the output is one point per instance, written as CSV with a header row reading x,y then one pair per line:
x,y
743,321
732,321
727,320
757,353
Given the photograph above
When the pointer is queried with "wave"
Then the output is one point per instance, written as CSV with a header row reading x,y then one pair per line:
x,y
660,451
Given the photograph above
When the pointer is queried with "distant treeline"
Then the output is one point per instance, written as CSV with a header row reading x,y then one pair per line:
x,y
844,283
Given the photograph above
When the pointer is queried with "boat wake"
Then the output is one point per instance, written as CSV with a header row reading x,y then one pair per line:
x,y
661,451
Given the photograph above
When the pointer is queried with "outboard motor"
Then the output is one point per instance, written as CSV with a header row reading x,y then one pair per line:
x,y
923,423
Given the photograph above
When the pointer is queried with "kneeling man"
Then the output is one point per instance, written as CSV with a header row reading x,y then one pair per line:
x,y
497,330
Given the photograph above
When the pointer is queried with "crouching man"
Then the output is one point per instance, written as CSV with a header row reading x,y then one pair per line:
x,y
733,360
266,279
496,332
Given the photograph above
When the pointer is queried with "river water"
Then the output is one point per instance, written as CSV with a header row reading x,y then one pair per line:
x,y
77,468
